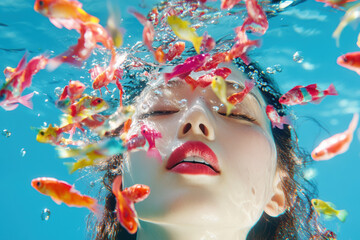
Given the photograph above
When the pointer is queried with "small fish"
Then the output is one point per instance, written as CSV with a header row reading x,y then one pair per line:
x,y
350,61
159,55
213,62
182,29
208,43
61,191
73,91
50,134
336,144
125,199
205,80
64,13
276,120
112,24
256,20
19,79
151,135
135,141
190,64
175,50
84,108
240,48
302,95
239,96
218,85
337,4
328,210
148,32
351,15
228,4
92,153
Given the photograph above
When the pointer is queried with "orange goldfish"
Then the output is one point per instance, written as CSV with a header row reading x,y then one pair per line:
x,y
239,96
64,13
159,55
350,61
336,144
175,50
61,191
125,200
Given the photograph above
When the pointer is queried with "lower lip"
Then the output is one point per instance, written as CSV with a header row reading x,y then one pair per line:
x,y
193,168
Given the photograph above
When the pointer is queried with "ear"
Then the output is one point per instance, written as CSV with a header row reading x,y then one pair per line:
x,y
276,205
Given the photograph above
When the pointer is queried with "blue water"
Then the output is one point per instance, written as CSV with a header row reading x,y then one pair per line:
x,y
307,27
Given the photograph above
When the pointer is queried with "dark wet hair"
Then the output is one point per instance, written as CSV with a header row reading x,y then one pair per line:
x,y
299,221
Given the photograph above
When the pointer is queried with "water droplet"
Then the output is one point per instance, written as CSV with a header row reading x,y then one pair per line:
x,y
270,70
182,102
112,96
236,86
297,57
106,92
38,115
45,214
278,67
46,100
242,69
6,133
215,108
58,91
22,152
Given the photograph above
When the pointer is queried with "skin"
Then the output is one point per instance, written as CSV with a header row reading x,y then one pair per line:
x,y
225,206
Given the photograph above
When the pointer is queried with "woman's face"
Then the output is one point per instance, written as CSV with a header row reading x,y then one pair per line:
x,y
216,170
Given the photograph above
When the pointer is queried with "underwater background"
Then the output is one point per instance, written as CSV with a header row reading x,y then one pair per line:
x,y
305,27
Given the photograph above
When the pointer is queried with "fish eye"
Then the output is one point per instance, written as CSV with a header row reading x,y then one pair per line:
x,y
98,101
41,3
38,183
345,59
42,133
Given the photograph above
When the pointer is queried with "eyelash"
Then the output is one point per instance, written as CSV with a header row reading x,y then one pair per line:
x,y
156,113
239,116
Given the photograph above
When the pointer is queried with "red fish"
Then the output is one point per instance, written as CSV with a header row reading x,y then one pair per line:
x,y
73,91
256,20
336,144
17,80
190,64
64,13
125,199
61,191
238,97
350,61
276,120
175,50
337,4
206,80
241,47
151,135
302,95
228,4
213,62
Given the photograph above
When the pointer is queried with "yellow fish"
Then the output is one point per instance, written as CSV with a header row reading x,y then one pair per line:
x,y
328,209
351,15
183,31
218,85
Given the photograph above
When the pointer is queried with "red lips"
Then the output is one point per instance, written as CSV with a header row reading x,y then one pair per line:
x,y
197,150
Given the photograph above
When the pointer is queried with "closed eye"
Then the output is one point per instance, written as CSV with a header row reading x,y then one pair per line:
x,y
239,116
157,113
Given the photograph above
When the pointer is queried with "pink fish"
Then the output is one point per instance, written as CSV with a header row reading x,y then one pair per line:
x,y
228,4
238,97
190,64
350,61
148,32
17,80
275,118
73,91
213,62
151,135
256,20
303,95
336,144
125,199
206,80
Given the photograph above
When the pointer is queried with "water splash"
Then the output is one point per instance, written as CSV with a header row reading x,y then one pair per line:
x,y
45,214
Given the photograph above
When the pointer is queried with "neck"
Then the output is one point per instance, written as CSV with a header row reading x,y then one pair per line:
x,y
155,231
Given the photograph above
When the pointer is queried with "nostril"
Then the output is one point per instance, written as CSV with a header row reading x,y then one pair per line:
x,y
204,129
186,128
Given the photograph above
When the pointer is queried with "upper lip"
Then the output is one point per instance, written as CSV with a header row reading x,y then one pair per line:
x,y
193,149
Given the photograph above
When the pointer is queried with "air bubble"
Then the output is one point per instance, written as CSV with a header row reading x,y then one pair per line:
x,y
44,124
278,67
6,133
242,69
270,70
22,152
236,86
46,100
58,91
297,57
182,102
45,214
215,108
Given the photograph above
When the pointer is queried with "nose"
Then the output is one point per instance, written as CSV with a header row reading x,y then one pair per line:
x,y
197,122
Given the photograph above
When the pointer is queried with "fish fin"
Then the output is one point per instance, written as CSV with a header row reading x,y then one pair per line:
x,y
331,90
10,107
278,125
341,215
167,77
154,153
286,120
70,166
57,201
26,100
317,101
197,43
54,63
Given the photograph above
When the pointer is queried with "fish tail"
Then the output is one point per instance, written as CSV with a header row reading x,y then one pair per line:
x,y
229,107
331,90
154,153
354,122
197,43
341,215
93,205
70,166
26,100
249,84
286,120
